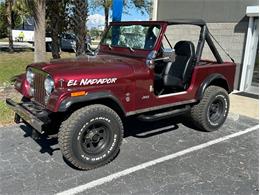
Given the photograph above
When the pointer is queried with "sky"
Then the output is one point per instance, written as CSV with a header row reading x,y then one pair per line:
x,y
96,18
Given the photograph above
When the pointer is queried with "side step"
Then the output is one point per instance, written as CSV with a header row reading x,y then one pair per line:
x,y
166,114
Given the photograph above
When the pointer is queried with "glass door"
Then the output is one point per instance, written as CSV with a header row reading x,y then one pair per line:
x,y
255,80
252,78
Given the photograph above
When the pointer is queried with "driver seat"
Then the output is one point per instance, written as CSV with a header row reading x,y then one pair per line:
x,y
178,74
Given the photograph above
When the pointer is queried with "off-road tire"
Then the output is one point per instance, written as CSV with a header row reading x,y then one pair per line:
x,y
75,139
201,114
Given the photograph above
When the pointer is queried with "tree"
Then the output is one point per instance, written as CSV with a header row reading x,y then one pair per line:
x,y
12,14
3,21
57,22
94,32
9,5
37,8
54,20
79,19
142,5
20,13
103,4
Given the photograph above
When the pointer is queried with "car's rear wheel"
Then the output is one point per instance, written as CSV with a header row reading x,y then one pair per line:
x,y
211,112
91,137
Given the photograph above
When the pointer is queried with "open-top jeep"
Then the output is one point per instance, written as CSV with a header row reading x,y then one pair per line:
x,y
132,73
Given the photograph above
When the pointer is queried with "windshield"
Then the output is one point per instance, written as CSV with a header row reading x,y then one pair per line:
x,y
132,36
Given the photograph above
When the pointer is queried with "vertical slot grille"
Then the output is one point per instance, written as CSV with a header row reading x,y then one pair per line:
x,y
39,91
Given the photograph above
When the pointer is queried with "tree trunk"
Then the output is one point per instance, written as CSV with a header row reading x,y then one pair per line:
x,y
79,20
10,24
55,22
106,10
39,32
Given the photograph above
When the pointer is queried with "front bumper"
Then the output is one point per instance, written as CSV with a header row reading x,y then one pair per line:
x,y
31,113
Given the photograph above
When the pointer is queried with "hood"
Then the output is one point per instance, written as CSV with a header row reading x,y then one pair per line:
x,y
89,67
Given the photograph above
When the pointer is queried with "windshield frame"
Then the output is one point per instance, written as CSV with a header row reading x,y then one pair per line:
x,y
131,24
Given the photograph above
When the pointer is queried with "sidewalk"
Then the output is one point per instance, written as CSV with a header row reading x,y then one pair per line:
x,y
244,106
17,45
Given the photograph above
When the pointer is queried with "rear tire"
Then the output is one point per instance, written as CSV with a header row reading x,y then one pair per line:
x,y
211,112
91,137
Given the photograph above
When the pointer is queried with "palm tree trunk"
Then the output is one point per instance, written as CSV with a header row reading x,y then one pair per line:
x,y
79,20
55,22
39,32
10,24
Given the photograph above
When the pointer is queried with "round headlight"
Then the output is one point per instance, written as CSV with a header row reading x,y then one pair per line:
x,y
49,85
29,76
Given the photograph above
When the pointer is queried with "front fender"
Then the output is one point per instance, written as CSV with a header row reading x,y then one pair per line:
x,y
21,84
69,101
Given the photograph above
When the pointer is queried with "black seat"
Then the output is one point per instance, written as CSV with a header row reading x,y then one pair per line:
x,y
178,74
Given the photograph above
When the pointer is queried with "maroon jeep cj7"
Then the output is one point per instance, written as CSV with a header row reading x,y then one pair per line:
x,y
131,73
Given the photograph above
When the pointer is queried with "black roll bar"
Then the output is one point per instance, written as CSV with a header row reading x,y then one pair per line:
x,y
205,36
213,48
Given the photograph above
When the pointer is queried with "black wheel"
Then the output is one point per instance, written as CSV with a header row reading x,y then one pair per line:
x,y
211,112
91,137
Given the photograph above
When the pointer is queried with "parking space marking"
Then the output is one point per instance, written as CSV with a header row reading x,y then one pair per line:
x,y
128,171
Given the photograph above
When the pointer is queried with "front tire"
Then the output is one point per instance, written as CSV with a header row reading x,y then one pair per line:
x,y
91,137
211,112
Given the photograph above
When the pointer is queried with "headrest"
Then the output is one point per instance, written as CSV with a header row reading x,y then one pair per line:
x,y
184,48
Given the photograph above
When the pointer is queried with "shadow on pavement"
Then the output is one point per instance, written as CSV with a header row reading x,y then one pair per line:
x,y
16,50
44,141
133,127
140,129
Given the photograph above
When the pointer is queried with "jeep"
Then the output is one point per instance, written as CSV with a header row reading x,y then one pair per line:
x,y
133,73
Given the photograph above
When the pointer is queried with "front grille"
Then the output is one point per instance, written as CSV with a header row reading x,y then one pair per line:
x,y
38,85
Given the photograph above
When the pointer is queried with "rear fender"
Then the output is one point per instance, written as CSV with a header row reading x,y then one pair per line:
x,y
213,79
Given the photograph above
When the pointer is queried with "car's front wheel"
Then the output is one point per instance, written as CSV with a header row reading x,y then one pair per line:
x,y
211,112
91,136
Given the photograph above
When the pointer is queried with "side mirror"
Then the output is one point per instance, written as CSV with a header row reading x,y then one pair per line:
x,y
151,59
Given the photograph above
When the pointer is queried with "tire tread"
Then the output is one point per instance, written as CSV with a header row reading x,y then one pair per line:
x,y
65,133
197,111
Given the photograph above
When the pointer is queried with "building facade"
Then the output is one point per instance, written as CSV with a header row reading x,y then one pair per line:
x,y
234,23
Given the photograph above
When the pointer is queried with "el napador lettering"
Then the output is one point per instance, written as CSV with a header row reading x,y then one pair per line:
x,y
84,82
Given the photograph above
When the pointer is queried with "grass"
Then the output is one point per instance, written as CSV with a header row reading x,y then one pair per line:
x,y
4,40
7,115
15,63
12,64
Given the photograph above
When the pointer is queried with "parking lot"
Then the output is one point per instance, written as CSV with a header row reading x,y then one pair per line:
x,y
163,157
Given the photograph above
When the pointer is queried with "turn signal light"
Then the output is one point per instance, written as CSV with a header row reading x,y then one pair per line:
x,y
78,93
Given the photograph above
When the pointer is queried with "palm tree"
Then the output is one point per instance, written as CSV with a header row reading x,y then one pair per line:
x,y
141,5
37,8
21,11
57,16
79,19
9,5
104,4
55,20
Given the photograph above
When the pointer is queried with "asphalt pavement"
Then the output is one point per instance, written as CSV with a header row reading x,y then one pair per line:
x,y
190,161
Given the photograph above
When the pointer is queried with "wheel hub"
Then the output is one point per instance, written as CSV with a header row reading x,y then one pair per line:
x,y
216,110
94,139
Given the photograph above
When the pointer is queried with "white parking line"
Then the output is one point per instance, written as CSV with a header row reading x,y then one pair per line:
x,y
111,177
